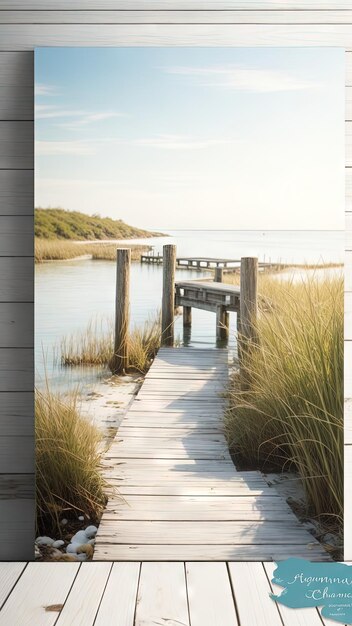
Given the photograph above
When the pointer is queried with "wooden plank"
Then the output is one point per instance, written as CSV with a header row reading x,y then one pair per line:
x,y
16,192
162,595
41,585
177,17
17,414
17,102
219,552
16,369
119,599
16,235
199,432
9,574
16,280
158,5
251,590
16,325
85,596
209,595
233,533
17,454
16,143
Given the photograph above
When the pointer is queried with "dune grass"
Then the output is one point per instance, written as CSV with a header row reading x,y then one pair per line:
x,y
57,223
95,345
291,414
68,456
59,250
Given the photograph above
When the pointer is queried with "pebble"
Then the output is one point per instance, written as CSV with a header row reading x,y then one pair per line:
x,y
91,531
44,541
58,544
81,518
80,537
64,522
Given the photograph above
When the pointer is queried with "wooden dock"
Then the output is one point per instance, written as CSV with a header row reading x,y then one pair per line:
x,y
179,496
145,594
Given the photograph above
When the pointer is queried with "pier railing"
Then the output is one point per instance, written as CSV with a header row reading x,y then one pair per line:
x,y
214,296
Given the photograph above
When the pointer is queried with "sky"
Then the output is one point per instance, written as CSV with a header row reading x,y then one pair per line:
x,y
192,138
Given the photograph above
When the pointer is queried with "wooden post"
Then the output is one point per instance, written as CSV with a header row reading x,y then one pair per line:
x,y
168,301
119,362
218,275
222,323
249,298
187,316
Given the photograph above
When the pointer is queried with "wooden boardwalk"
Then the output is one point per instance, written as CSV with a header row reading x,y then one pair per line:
x,y
179,494
144,594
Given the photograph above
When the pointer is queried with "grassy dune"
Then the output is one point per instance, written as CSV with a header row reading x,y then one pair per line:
x,y
61,224
291,415
58,250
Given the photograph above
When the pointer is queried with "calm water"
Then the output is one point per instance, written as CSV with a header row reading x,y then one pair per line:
x,y
69,294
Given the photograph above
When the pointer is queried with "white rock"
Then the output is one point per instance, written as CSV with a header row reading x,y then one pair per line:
x,y
81,518
72,548
44,541
64,522
80,537
91,542
58,544
82,556
91,531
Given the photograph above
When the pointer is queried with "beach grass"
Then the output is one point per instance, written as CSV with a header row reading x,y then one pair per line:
x,y
94,345
60,250
286,406
68,457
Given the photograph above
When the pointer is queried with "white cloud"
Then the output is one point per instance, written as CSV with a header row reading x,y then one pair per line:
x,y
180,142
242,78
45,90
80,117
57,148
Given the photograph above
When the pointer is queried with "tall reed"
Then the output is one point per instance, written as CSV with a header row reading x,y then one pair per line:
x,y
292,413
68,456
95,345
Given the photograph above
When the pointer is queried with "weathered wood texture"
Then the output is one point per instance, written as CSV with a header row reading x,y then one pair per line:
x,y
27,23
168,297
348,322
122,310
177,487
145,594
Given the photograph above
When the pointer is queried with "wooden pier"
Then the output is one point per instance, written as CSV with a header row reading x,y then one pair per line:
x,y
178,494
152,259
145,594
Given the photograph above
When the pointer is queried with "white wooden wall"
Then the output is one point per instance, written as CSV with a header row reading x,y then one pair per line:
x,y
25,24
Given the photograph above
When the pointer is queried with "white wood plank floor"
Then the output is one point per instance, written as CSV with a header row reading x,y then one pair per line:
x,y
177,494
144,594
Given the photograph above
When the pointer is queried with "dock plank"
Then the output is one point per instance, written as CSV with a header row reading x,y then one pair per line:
x,y
175,492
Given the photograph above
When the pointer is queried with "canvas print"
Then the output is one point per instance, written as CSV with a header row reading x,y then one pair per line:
x,y
189,303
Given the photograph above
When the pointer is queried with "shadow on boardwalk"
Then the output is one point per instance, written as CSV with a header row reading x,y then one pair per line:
x,y
180,496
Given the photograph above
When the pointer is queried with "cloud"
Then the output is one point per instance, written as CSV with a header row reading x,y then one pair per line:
x,y
239,78
79,117
58,148
179,142
45,90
